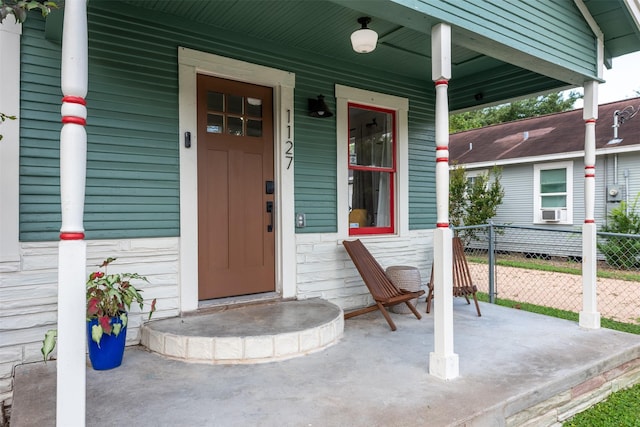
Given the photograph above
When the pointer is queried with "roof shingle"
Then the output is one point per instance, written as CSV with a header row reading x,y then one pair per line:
x,y
554,133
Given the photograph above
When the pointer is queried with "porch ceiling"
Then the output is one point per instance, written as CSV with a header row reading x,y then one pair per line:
x,y
323,28
621,34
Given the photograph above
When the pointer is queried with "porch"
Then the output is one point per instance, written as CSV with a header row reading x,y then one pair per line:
x,y
516,367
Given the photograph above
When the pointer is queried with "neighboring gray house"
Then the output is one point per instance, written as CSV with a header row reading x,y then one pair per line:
x,y
542,161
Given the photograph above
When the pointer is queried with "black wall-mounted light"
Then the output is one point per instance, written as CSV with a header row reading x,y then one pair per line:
x,y
318,108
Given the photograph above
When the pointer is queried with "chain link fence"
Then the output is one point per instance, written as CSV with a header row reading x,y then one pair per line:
x,y
542,267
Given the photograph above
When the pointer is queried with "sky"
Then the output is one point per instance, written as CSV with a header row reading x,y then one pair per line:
x,y
622,80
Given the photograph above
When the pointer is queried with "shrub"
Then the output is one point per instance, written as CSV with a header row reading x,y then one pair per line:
x,y
473,202
622,251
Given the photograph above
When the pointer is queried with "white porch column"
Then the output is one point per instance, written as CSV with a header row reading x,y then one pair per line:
x,y
443,362
589,316
71,406
10,32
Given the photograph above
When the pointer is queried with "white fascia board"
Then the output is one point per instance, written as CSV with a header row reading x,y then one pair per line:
x,y
546,157
597,32
521,160
617,150
633,6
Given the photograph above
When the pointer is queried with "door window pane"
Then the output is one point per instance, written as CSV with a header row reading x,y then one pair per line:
x,y
215,101
234,115
235,104
254,107
215,123
254,127
234,125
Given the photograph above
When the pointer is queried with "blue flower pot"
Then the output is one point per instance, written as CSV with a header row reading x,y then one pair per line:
x,y
108,354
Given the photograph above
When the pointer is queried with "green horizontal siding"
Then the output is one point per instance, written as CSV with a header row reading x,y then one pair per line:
x,y
422,183
39,135
132,126
133,122
315,165
552,30
132,185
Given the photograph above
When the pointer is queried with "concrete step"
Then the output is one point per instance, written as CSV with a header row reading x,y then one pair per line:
x,y
254,333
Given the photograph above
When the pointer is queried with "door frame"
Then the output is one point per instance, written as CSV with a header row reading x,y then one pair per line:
x,y
190,64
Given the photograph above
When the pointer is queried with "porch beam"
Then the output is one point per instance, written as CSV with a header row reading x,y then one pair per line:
x,y
71,369
589,316
443,362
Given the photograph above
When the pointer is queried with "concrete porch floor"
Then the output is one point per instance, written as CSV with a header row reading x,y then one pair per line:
x,y
516,368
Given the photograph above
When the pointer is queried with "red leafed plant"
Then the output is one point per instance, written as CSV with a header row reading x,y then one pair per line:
x,y
108,296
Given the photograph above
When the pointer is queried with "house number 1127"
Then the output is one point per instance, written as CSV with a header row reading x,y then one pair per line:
x,y
288,153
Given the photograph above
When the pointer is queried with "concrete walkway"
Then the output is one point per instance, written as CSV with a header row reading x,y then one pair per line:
x,y
510,362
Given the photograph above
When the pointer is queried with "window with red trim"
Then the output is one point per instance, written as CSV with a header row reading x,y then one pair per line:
x,y
372,169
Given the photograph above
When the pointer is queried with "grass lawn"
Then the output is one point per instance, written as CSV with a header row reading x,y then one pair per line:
x,y
562,314
621,409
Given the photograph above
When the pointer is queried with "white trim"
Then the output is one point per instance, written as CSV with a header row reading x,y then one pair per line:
x,y
567,213
633,6
475,172
617,150
547,157
590,103
441,52
471,175
589,18
597,32
190,63
10,145
344,95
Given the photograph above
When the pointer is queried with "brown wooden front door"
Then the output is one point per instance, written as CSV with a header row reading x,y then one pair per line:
x,y
236,244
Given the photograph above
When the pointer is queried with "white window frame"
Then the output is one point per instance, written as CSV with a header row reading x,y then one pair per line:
x,y
566,214
473,174
344,95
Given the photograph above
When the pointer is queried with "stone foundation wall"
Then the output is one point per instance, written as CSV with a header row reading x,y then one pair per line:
x,y
29,292
561,407
324,269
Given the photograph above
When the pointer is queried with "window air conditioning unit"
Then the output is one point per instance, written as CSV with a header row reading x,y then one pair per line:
x,y
551,214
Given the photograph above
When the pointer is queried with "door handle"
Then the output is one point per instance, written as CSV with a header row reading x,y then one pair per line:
x,y
270,212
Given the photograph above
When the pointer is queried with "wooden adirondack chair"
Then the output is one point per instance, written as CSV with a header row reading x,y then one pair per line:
x,y
462,284
383,291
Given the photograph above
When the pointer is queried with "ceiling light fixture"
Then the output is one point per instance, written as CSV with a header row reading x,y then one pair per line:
x,y
364,40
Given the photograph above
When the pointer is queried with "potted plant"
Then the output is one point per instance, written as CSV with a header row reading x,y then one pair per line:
x,y
109,298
